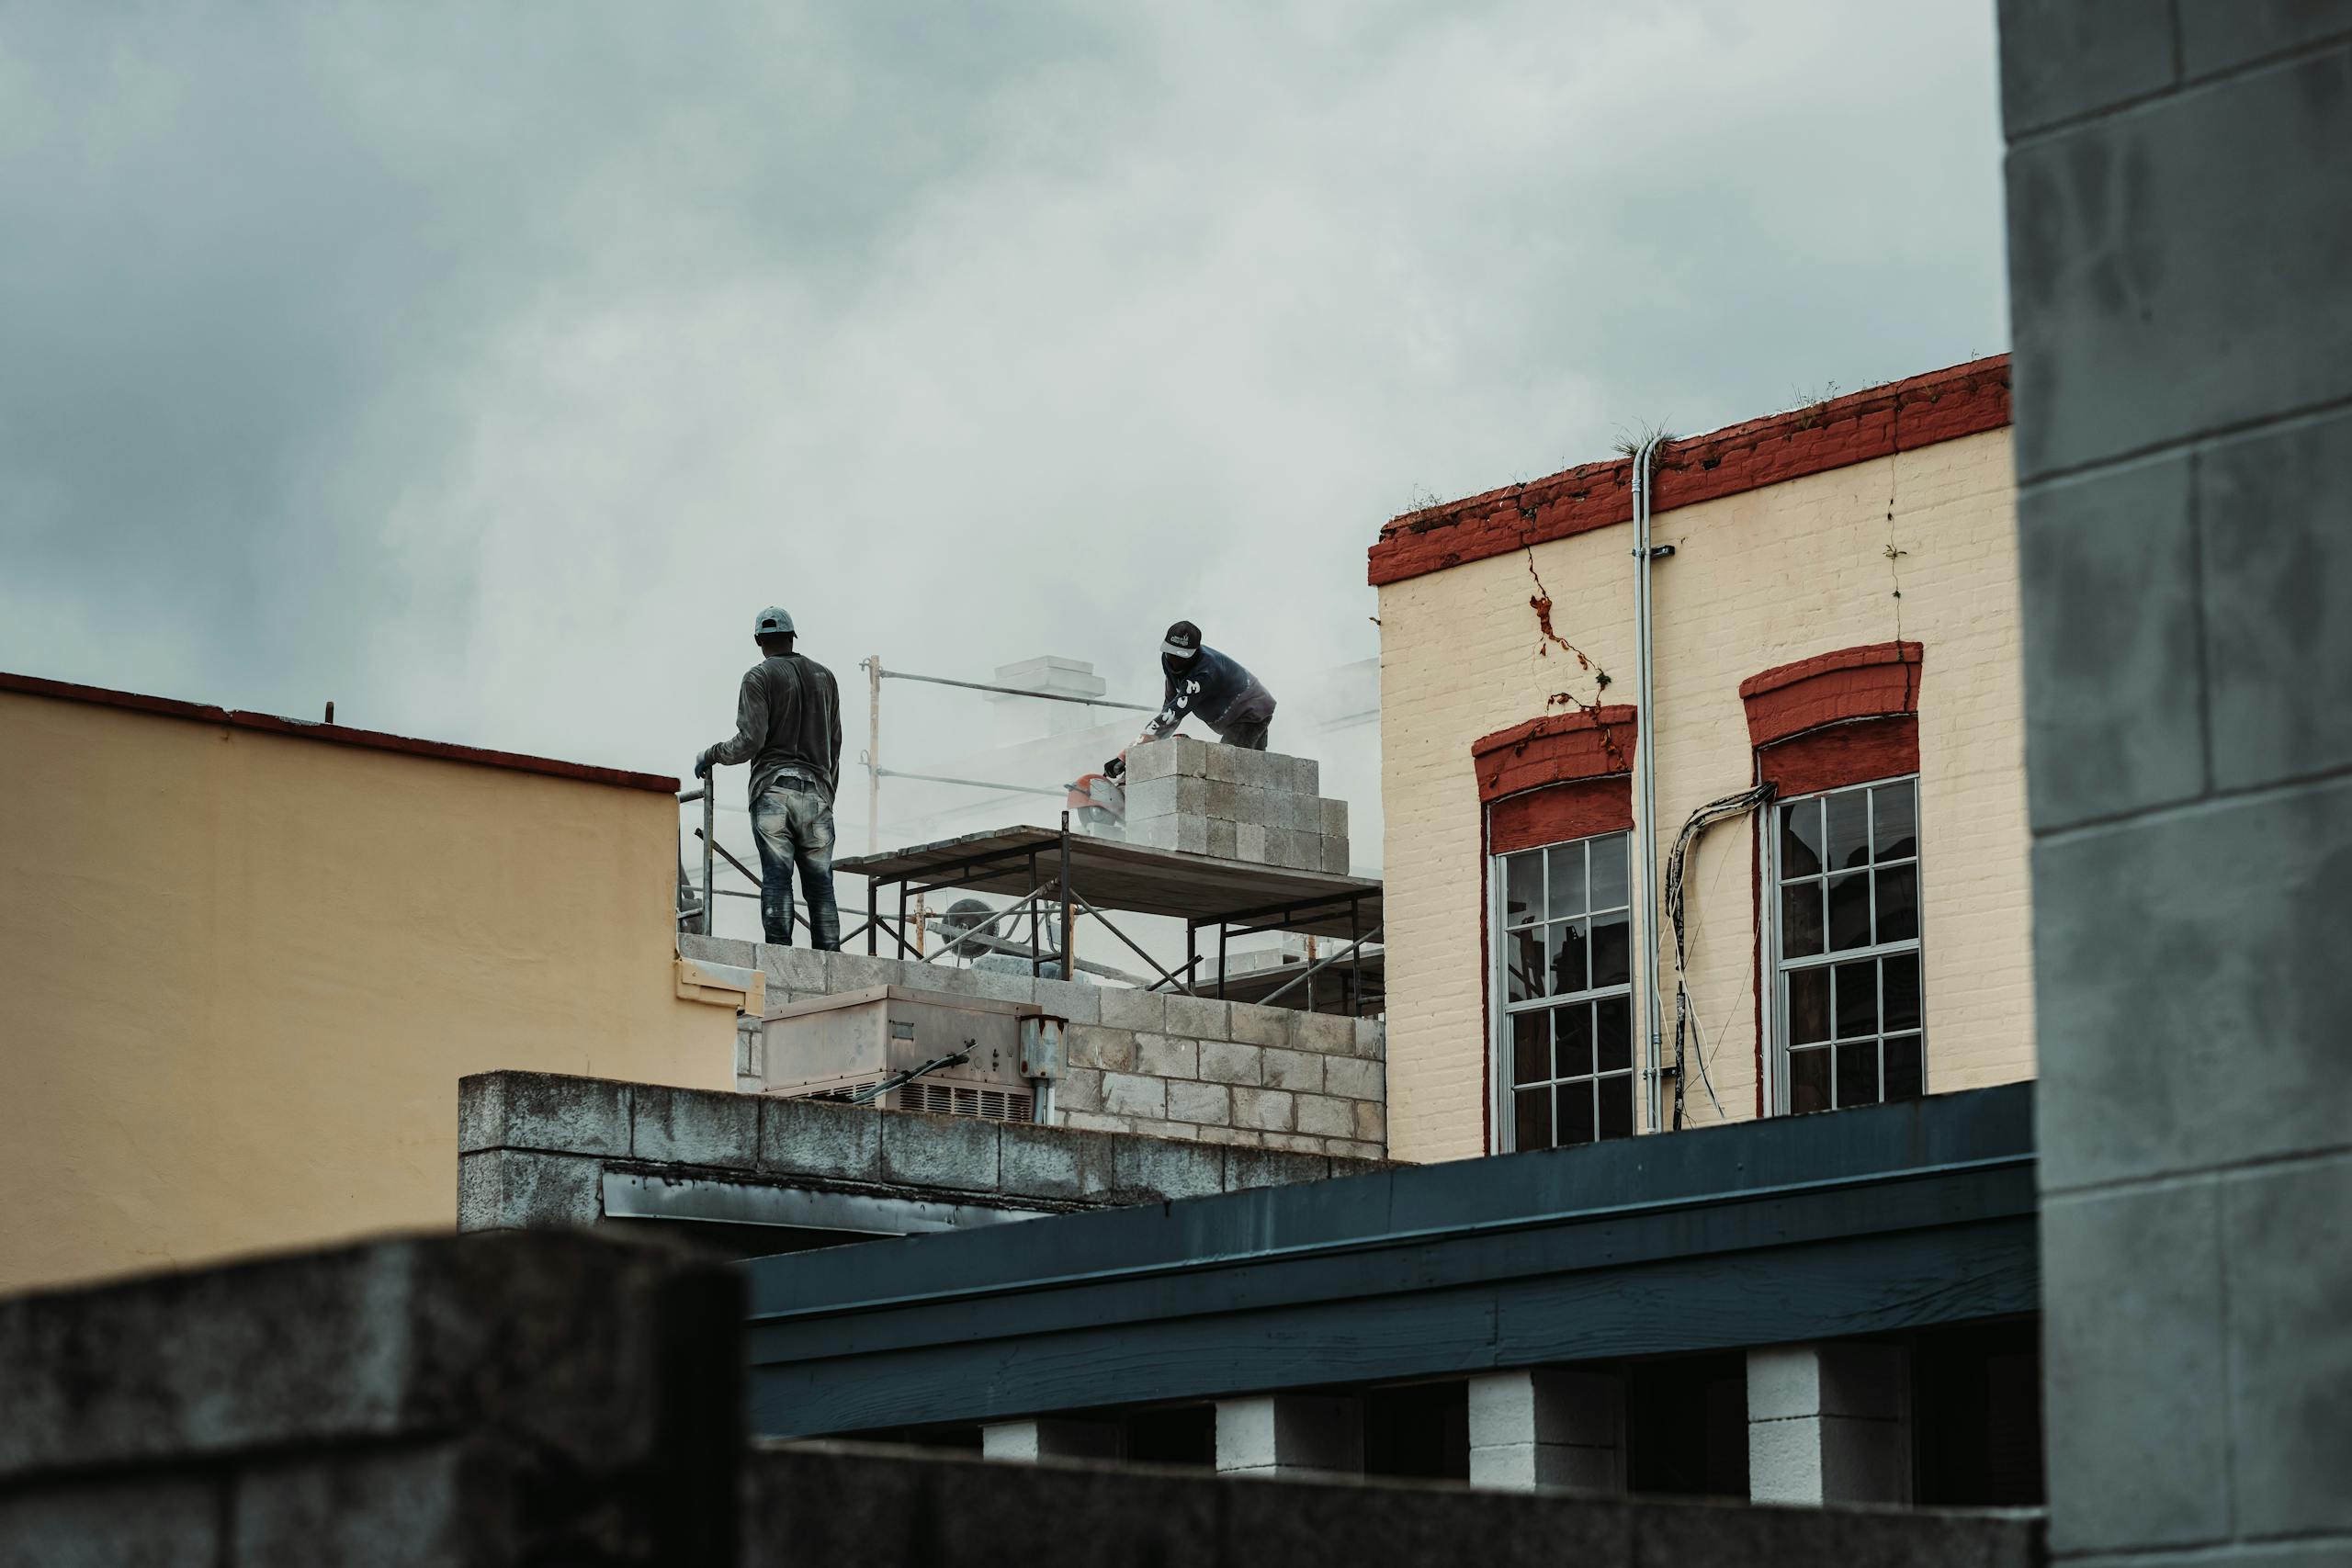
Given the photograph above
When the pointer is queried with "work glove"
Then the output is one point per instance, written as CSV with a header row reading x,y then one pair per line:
x,y
702,763
1117,768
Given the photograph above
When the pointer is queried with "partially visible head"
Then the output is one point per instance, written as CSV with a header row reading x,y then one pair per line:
x,y
772,630
1183,643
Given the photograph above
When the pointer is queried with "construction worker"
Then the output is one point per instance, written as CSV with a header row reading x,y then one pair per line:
x,y
788,727
1207,685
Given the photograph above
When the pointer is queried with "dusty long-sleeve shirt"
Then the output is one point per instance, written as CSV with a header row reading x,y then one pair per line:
x,y
788,719
1207,687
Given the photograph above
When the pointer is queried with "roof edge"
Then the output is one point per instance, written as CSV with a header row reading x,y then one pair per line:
x,y
333,734
1902,416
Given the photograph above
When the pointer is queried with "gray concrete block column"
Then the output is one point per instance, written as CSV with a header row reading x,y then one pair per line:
x,y
1548,1427
1289,1434
1829,1423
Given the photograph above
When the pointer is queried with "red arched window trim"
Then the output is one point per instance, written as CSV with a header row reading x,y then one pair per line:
x,y
1807,720
1588,743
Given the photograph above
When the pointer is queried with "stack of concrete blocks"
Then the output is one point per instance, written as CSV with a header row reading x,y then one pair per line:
x,y
1170,1066
1259,806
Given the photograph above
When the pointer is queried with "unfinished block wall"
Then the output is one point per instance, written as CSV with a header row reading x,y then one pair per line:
x,y
1260,807
1170,1066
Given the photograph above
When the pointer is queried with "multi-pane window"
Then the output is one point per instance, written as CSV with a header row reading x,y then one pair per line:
x,y
1566,982
1848,931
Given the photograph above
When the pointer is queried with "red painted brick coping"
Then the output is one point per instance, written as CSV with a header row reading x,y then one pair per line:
x,y
333,734
1942,405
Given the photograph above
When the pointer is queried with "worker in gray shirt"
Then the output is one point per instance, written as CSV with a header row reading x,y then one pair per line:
x,y
788,727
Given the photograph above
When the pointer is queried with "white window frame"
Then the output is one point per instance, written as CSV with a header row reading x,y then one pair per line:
x,y
1769,943
1501,1113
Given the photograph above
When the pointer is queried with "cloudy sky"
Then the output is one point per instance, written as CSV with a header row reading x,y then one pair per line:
x,y
484,369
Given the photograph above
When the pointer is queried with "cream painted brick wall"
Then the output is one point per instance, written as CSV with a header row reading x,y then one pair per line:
x,y
1758,580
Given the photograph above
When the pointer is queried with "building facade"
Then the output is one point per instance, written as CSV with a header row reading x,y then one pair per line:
x,y
1834,614
247,960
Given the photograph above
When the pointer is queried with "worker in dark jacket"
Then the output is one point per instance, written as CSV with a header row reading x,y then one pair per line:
x,y
1206,685
788,727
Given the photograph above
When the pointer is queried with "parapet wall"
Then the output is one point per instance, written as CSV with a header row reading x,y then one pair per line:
x,y
534,1150
1170,1065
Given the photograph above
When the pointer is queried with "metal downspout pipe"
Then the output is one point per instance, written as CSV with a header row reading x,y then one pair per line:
x,y
1645,793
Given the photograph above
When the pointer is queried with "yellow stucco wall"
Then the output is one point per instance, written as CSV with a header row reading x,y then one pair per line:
x,y
1758,579
241,975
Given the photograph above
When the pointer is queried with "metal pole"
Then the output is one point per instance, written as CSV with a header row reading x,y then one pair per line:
x,y
1037,949
1355,963
873,914
1070,920
1223,930
1191,954
874,753
710,836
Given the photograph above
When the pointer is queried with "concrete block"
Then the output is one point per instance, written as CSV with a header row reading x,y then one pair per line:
x,y
1371,1124
1190,835
1336,858
515,1189
2286,1246
2136,1424
1334,818
1321,1116
1097,1121
2110,587
2206,1027
2062,59
1168,1167
1329,1033
1268,1109
1273,1167
1249,842
1225,1062
1096,1045
2128,265
1144,1012
1256,1025
1354,1077
1224,840
542,1111
1349,1157
1199,1017
1207,1103
161,1521
1289,1434
1131,1094
1225,764
997,986
1372,1039
1080,1088
1165,1056
1231,1137
1152,761
1169,796
1025,1442
1152,832
959,1152
2276,554
1225,801
793,969
2219,35
731,950
1072,1001
1296,1143
857,971
695,1127
1055,1162
1298,1071
816,1137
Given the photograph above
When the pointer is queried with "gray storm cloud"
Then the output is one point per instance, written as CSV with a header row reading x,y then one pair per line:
x,y
484,369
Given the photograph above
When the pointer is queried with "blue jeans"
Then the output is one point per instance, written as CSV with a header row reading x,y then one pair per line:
x,y
793,824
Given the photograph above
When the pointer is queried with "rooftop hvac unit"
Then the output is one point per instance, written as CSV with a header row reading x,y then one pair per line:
x,y
833,1047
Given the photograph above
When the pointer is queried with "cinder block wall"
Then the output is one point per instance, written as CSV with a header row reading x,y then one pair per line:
x,y
1260,807
1174,1067
1759,579
2180,240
